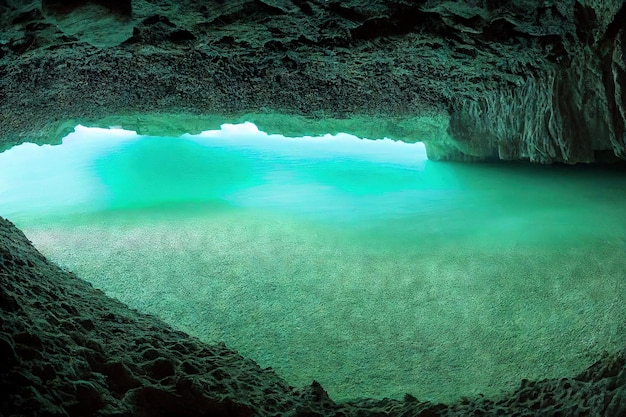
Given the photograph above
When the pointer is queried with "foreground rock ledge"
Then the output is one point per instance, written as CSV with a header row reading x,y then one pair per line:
x,y
69,350
535,80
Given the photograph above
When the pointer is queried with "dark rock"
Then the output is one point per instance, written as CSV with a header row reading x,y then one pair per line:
x,y
160,368
150,354
189,368
119,378
88,400
617,406
86,324
7,353
181,35
27,16
45,372
70,309
7,302
156,402
530,80
121,7
28,340
533,80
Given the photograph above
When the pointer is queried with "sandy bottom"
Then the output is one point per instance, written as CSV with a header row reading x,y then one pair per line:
x,y
366,311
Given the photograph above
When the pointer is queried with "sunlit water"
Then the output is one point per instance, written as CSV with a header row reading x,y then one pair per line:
x,y
355,263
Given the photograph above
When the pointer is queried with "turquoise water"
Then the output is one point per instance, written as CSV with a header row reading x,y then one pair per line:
x,y
356,263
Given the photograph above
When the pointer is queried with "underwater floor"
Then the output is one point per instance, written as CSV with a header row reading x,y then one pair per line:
x,y
355,263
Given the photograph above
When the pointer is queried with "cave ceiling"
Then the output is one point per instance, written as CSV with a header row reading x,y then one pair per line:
x,y
499,79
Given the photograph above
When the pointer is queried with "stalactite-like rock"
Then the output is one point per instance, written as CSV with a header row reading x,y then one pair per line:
x,y
562,111
533,80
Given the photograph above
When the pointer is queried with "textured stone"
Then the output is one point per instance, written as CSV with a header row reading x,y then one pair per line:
x,y
121,7
522,79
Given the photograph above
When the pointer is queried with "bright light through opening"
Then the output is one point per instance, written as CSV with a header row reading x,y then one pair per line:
x,y
98,169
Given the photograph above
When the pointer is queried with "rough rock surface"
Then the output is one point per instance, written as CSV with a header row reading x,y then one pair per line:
x,y
518,79
69,350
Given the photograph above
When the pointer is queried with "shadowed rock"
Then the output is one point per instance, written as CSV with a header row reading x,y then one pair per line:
x,y
536,80
121,7
532,80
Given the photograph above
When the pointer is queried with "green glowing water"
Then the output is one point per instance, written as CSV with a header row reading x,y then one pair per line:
x,y
363,267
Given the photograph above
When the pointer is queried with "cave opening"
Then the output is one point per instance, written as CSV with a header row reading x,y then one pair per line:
x,y
356,263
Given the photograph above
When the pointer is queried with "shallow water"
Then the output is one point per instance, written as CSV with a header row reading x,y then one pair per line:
x,y
358,264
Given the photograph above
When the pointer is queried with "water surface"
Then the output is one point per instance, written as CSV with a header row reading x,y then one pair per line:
x,y
355,263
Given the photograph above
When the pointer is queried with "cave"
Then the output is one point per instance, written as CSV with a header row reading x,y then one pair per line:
x,y
519,105
123,8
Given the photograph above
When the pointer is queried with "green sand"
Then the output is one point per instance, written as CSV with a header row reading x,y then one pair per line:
x,y
373,278
362,315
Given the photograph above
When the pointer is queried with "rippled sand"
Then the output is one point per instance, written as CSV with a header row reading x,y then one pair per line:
x,y
365,312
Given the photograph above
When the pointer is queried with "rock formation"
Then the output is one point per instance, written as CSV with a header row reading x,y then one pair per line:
x,y
476,80
505,79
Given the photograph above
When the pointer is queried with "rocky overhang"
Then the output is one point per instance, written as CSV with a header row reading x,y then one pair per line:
x,y
475,80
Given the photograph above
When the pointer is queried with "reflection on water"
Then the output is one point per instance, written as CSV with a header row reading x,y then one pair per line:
x,y
376,184
357,263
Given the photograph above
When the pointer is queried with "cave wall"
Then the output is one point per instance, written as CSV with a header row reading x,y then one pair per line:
x,y
568,110
517,79
503,79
